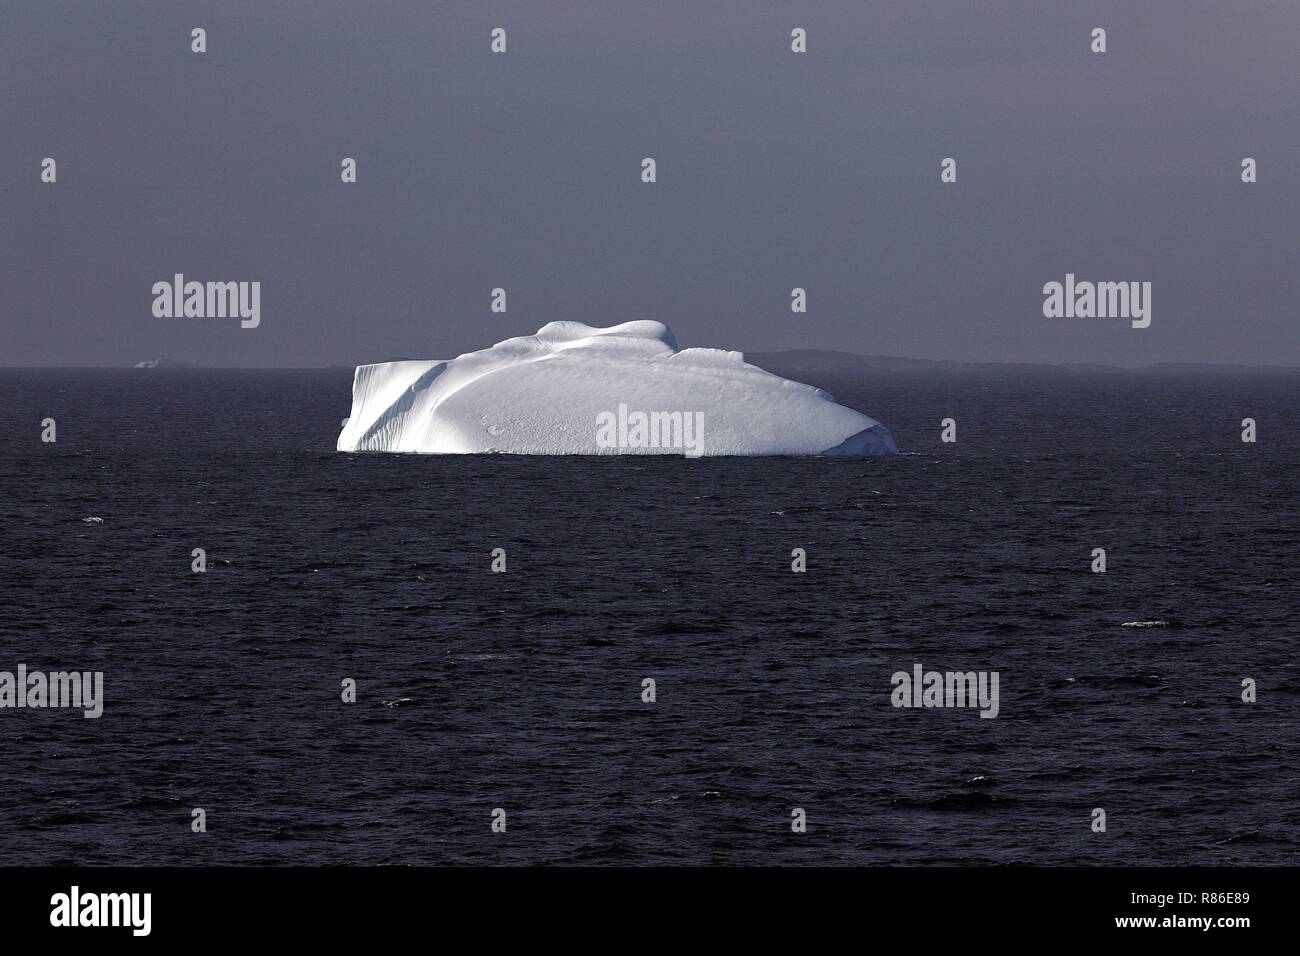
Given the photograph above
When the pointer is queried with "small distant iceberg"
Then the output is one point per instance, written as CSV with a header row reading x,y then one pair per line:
x,y
166,363
574,389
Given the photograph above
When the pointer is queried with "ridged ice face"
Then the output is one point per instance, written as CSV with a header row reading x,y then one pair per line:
x,y
573,389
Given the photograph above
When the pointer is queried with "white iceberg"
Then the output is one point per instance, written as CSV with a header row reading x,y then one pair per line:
x,y
572,389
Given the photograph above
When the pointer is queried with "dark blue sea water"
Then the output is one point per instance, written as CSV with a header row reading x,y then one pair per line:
x,y
523,690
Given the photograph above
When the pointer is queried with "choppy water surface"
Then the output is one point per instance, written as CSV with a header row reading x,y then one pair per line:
x,y
523,690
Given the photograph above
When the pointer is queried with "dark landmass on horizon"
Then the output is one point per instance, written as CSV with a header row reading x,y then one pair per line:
x,y
821,360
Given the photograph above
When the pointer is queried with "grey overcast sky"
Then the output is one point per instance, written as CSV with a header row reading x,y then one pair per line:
x,y
775,170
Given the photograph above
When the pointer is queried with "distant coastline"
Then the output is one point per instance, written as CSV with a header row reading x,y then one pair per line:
x,y
830,361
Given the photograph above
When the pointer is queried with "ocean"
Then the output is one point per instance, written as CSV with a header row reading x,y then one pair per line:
x,y
523,690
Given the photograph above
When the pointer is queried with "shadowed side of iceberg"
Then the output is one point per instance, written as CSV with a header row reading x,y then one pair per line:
x,y
875,440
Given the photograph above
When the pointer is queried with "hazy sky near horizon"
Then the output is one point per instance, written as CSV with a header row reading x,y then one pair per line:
x,y
775,170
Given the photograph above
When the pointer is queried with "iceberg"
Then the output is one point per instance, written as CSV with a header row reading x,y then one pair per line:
x,y
573,389
166,363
